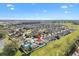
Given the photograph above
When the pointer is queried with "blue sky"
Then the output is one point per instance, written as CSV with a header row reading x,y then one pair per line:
x,y
39,11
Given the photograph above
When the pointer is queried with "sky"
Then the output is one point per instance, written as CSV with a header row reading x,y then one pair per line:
x,y
39,11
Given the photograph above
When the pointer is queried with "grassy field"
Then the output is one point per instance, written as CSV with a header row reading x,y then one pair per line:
x,y
18,53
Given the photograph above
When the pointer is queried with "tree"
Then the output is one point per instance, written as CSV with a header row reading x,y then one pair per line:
x,y
11,46
9,50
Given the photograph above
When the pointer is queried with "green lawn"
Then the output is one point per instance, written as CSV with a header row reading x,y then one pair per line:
x,y
18,53
1,50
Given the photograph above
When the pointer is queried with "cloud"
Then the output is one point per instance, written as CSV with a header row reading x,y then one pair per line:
x,y
64,7
12,8
10,5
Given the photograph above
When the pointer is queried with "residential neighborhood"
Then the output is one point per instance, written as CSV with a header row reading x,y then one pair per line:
x,y
31,36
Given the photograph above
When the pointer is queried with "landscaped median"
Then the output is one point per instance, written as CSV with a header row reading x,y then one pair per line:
x,y
59,47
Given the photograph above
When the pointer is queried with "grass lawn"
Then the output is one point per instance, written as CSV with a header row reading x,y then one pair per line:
x,y
1,50
18,53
